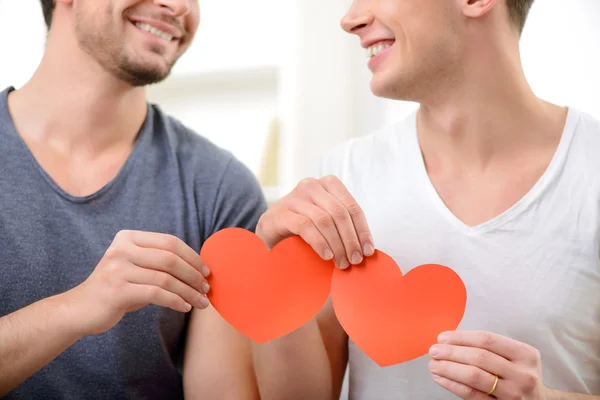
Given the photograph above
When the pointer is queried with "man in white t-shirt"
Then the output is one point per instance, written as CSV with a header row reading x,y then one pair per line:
x,y
485,178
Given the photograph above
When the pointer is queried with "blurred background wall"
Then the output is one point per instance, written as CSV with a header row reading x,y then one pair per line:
x,y
277,82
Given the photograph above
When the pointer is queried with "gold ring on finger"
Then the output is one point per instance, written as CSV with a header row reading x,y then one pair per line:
x,y
493,387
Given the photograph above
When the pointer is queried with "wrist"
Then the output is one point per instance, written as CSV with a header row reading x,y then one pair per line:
x,y
70,315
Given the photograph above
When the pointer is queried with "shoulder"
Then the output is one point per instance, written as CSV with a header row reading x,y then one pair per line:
x,y
190,148
587,127
214,172
585,144
580,173
380,146
211,165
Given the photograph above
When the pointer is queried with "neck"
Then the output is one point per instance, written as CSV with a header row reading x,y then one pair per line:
x,y
489,114
72,100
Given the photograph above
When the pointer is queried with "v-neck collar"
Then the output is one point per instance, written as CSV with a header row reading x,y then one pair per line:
x,y
549,175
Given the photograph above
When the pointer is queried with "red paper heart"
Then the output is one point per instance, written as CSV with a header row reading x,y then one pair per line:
x,y
265,295
394,318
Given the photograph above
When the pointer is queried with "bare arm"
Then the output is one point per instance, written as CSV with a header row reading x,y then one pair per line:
x,y
218,361
309,363
32,337
335,341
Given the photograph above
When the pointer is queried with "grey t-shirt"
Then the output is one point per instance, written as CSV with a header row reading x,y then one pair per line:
x,y
174,182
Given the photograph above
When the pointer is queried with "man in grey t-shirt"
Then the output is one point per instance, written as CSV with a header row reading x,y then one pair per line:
x,y
104,205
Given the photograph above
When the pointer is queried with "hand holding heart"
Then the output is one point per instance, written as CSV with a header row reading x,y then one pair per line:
x,y
467,363
326,216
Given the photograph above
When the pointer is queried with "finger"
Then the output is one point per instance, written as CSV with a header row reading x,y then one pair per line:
x,y
458,389
171,244
307,230
324,224
277,224
334,186
467,375
505,347
150,294
290,223
483,359
162,260
167,282
341,220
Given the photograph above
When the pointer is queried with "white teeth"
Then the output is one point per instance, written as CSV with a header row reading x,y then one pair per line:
x,y
154,31
372,51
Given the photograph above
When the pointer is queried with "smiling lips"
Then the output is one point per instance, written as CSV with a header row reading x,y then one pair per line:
x,y
156,26
374,47
377,48
154,31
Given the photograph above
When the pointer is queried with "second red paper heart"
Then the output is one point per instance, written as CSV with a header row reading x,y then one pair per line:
x,y
395,318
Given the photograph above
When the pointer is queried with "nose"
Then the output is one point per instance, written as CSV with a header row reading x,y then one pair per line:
x,y
357,18
177,8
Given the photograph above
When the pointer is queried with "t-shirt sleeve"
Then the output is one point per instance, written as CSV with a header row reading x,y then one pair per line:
x,y
239,201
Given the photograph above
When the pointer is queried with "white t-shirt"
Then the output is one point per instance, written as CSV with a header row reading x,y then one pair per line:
x,y
532,273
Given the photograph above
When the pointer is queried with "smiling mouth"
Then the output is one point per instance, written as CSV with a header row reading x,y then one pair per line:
x,y
377,48
154,31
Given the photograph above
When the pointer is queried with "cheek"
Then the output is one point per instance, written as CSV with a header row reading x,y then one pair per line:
x,y
425,44
192,21
91,18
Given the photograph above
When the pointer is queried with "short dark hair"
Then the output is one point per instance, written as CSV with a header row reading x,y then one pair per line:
x,y
518,10
47,9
